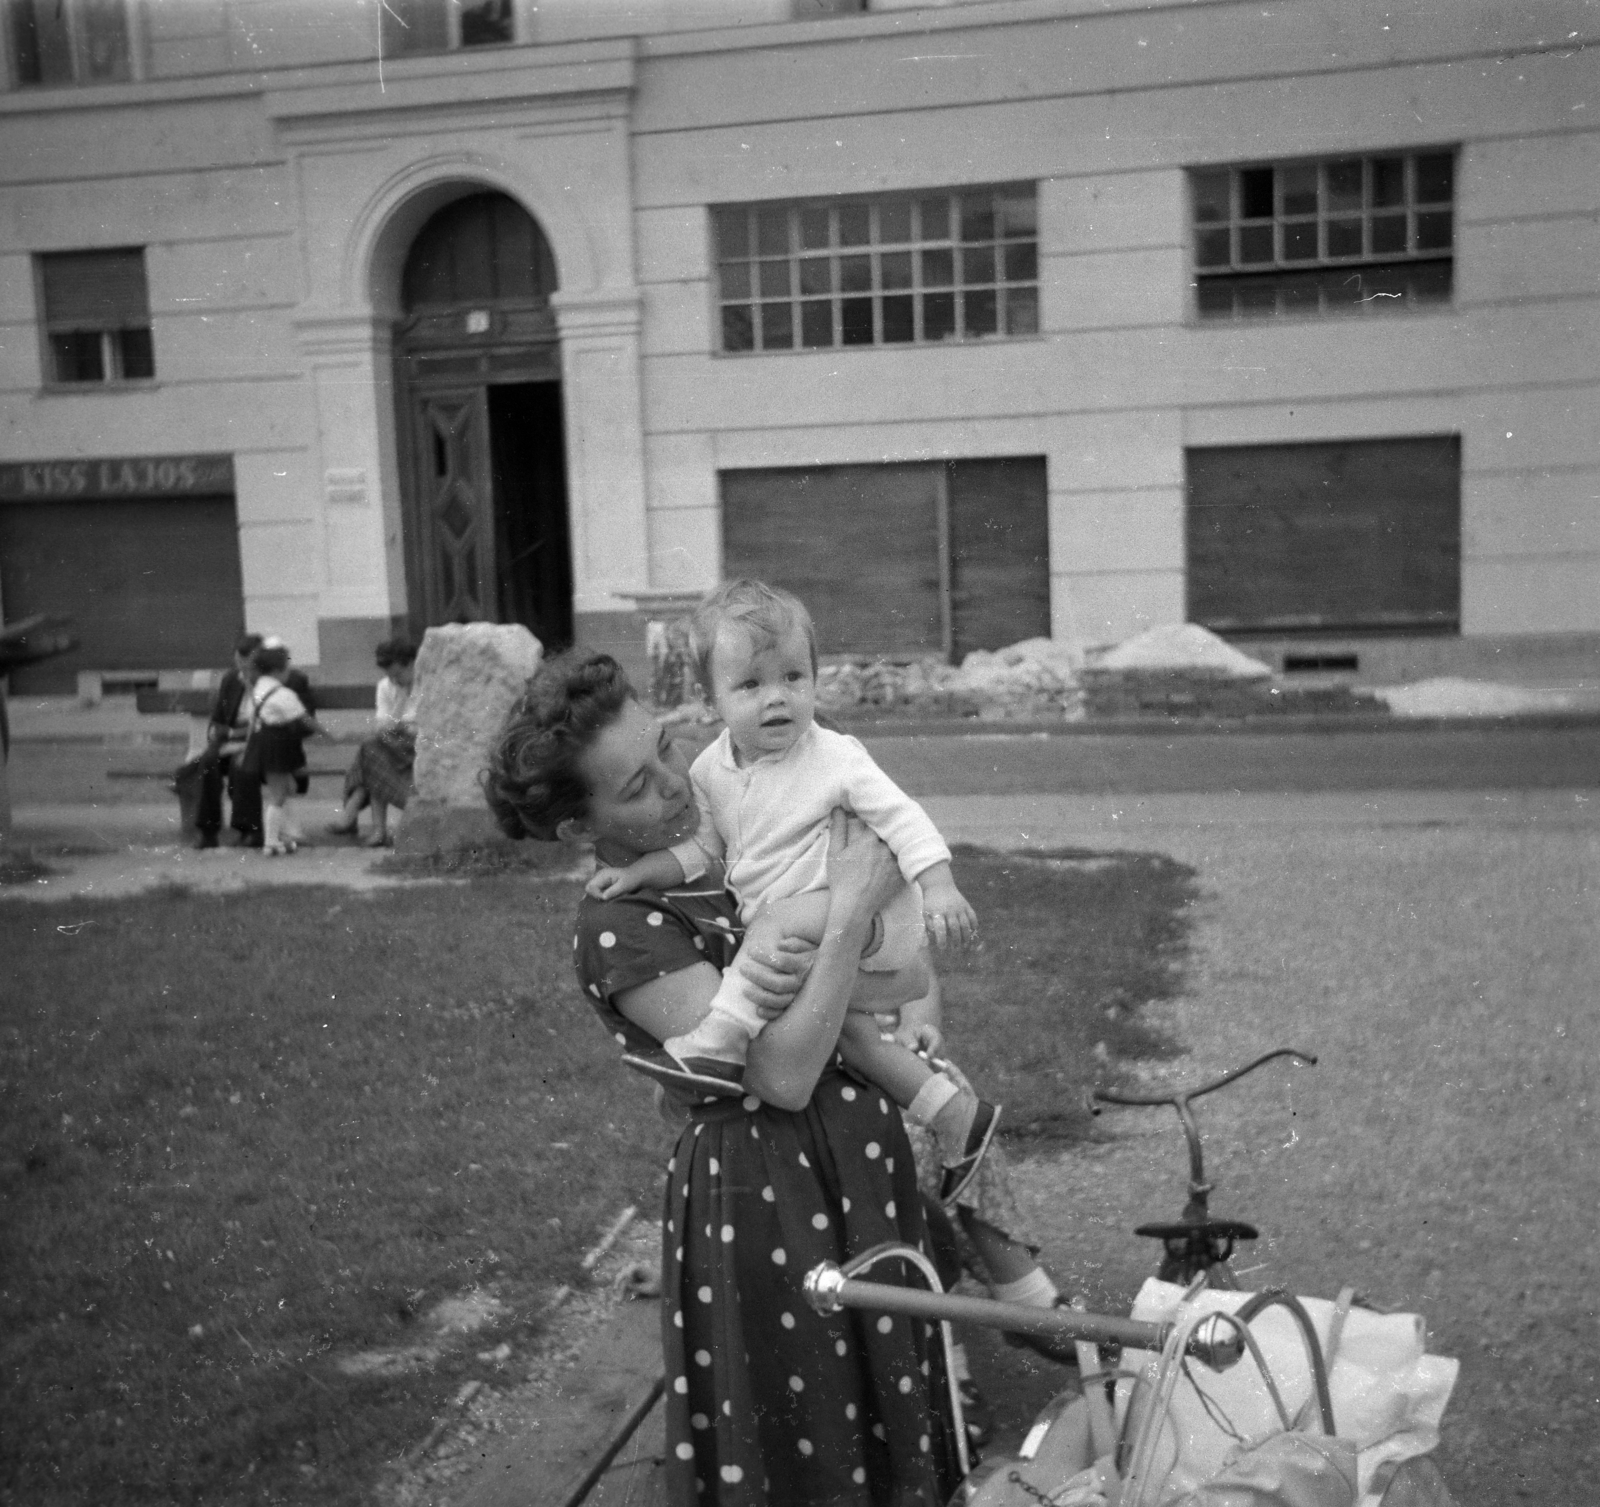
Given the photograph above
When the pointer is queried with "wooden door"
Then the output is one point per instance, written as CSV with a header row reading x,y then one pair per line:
x,y
452,559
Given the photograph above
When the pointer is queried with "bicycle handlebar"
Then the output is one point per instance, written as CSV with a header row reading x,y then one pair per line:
x,y
1113,1096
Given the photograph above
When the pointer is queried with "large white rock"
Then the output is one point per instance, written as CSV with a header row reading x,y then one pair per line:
x,y
468,675
1182,647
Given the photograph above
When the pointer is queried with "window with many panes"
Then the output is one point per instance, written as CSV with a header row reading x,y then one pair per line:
x,y
440,25
96,316
69,41
1344,233
901,270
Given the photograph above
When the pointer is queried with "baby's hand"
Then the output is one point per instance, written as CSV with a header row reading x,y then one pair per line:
x,y
924,1039
610,884
949,918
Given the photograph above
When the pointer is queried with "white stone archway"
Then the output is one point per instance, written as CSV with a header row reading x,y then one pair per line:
x,y
370,172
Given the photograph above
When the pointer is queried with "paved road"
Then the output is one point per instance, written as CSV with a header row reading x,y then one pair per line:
x,y
1491,757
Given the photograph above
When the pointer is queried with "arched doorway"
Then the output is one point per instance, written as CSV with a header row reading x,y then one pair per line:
x,y
483,459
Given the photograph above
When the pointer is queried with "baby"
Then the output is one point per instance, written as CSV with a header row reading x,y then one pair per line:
x,y
766,789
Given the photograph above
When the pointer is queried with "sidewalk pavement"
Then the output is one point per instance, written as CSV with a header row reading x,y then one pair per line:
x,y
115,850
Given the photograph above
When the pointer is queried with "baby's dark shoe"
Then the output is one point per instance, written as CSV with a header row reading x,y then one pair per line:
x,y
959,1177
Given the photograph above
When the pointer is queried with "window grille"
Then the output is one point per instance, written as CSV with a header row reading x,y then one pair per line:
x,y
96,316
909,269
1345,233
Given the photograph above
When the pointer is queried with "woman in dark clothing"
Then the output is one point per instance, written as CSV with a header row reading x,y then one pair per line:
x,y
380,773
767,1402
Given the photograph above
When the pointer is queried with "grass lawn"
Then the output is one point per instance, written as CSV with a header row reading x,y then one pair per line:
x,y
245,1137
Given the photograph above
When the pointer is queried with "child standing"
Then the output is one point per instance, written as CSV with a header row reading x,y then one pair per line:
x,y
766,789
279,725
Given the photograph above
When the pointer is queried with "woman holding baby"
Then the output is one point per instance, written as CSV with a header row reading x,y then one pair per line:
x,y
788,1156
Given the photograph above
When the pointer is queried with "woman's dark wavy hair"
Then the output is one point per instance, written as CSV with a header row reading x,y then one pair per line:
x,y
532,783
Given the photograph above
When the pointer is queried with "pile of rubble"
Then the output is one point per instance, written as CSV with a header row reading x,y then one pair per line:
x,y
1036,680
1180,670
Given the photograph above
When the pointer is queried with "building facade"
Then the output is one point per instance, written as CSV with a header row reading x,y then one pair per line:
x,y
968,321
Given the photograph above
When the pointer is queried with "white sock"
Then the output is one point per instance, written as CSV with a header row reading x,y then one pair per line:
x,y
1035,1289
720,1036
958,1362
930,1099
271,826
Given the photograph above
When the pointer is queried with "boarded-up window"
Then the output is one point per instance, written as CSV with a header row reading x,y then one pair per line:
x,y
899,560
150,584
1322,538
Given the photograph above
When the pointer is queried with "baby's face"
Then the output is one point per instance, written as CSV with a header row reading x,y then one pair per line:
x,y
767,693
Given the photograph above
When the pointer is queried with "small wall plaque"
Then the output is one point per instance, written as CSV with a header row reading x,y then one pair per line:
x,y
346,486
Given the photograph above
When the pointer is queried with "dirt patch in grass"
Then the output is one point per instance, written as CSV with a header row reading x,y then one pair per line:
x,y
250,1137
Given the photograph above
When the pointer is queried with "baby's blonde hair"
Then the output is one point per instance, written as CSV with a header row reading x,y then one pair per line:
x,y
764,612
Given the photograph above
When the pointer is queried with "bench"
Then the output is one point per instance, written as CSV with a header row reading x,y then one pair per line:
x,y
197,703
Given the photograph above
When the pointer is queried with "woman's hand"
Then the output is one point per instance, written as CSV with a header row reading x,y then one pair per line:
x,y
773,965
862,873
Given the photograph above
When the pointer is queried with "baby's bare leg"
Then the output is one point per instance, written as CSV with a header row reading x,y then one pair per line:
x,y
804,918
896,1069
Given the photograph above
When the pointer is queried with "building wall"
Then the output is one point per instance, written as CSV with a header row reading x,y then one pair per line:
x,y
200,184
1106,112
273,174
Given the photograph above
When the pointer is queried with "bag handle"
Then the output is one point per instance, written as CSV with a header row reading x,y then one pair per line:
x,y
1141,1474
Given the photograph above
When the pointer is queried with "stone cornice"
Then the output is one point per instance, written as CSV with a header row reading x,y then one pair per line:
x,y
603,312
319,332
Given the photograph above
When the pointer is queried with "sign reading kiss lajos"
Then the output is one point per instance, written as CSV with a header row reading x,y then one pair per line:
x,y
117,476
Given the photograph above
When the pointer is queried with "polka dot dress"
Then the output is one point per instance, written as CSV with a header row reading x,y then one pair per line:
x,y
768,1404
766,1399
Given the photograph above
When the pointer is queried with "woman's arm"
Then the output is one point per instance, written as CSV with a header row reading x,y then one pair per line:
x,y
788,1057
676,1003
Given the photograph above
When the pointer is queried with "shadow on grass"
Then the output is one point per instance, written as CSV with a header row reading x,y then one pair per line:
x,y
248,1135
22,866
1074,943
